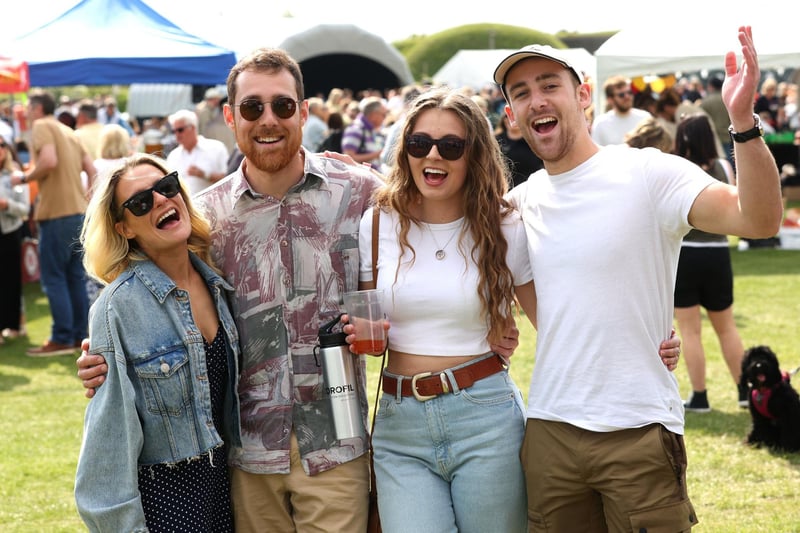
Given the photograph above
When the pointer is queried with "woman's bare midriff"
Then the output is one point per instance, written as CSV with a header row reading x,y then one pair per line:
x,y
408,364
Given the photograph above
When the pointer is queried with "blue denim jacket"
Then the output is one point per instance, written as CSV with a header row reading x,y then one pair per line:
x,y
155,406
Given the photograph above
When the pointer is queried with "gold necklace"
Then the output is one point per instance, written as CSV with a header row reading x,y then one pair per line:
x,y
440,254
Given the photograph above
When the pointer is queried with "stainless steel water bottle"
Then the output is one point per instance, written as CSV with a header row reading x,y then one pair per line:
x,y
339,379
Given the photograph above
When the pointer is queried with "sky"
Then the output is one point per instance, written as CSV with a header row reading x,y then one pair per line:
x,y
397,20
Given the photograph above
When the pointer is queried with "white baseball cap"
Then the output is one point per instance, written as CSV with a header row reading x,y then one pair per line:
x,y
534,50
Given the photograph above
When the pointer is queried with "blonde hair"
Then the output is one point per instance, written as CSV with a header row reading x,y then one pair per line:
x,y
649,132
484,206
107,253
9,163
114,142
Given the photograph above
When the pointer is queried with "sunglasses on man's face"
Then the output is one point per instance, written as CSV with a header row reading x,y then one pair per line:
x,y
624,94
141,203
282,107
450,147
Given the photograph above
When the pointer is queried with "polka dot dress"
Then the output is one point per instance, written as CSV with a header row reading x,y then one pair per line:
x,y
193,496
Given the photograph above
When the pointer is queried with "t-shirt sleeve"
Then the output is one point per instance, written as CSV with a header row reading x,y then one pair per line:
x,y
517,257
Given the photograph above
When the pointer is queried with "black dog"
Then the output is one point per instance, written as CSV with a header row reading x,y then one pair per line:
x,y
774,404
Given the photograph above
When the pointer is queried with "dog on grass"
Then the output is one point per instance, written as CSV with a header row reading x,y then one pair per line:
x,y
774,404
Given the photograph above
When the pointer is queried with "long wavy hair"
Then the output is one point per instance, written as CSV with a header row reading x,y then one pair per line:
x,y
483,200
107,253
694,140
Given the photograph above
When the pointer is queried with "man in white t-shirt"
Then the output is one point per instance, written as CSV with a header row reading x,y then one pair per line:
x,y
200,161
611,126
604,447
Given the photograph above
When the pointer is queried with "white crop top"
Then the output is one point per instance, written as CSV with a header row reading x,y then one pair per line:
x,y
433,307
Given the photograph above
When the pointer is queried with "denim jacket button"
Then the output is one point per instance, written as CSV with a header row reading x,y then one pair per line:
x,y
164,368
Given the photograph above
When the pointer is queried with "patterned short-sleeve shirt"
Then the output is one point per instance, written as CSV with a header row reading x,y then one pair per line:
x,y
289,261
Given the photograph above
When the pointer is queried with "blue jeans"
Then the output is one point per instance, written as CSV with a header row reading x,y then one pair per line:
x,y
63,278
452,464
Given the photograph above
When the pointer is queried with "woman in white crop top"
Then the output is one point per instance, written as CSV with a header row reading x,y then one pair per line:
x,y
451,257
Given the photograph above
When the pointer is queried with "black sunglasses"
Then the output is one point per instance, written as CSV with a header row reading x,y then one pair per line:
x,y
282,107
450,147
142,202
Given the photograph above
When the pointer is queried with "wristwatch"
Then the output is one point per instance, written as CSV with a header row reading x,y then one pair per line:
x,y
756,131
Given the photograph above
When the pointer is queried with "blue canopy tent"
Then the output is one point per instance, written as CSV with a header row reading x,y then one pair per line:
x,y
106,42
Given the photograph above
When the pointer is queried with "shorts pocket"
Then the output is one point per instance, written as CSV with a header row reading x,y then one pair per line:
x,y
490,391
670,518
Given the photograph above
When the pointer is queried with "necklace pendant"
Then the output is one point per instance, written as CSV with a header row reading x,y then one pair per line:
x,y
440,254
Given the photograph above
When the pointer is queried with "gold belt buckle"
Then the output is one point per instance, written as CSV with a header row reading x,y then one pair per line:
x,y
417,395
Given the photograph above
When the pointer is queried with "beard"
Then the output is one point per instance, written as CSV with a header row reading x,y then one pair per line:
x,y
268,159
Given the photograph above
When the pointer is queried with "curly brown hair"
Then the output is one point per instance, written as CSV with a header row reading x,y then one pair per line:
x,y
483,199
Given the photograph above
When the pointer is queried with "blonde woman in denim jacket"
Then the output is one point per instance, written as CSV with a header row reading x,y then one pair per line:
x,y
156,434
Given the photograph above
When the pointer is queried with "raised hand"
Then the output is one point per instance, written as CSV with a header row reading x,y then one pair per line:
x,y
741,83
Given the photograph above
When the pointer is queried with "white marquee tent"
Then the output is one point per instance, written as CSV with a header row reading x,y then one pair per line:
x,y
474,68
697,45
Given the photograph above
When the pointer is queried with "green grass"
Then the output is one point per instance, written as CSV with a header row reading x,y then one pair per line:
x,y
734,488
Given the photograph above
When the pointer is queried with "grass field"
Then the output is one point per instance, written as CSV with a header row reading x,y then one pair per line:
x,y
734,488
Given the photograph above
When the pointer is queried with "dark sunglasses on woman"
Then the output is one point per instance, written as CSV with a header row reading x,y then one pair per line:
x,y
450,147
283,107
142,202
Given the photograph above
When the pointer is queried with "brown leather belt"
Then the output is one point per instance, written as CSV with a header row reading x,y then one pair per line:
x,y
426,385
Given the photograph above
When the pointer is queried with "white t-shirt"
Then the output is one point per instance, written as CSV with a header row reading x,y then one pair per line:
x,y
604,240
433,306
610,128
210,155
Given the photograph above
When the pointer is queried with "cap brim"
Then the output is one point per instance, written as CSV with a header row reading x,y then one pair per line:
x,y
502,69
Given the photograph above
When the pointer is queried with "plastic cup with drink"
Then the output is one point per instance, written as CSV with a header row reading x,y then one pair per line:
x,y
365,312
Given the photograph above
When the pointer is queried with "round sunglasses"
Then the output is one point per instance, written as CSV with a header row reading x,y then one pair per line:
x,y
283,107
141,203
450,147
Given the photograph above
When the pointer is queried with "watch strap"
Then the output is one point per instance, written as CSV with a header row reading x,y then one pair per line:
x,y
756,131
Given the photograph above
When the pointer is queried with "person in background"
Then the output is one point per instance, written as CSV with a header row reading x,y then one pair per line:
x,y
87,127
351,111
59,159
604,447
713,105
407,95
113,147
109,114
705,275
650,133
168,408
363,139
443,211
333,141
199,160
15,207
335,100
666,110
316,127
211,121
610,127
521,160
768,106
